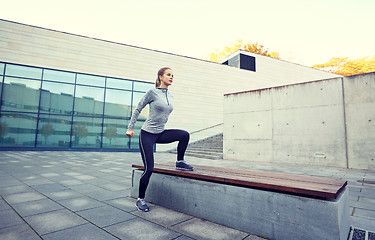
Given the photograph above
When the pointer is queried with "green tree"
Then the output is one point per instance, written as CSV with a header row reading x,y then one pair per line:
x,y
79,131
110,133
46,130
217,55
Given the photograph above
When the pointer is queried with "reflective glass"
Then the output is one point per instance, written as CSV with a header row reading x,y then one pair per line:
x,y
89,101
17,129
117,103
119,83
2,68
143,86
54,131
20,95
90,80
57,98
87,132
59,76
22,71
136,98
114,133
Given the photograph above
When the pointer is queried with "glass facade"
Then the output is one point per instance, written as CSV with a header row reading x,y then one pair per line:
x,y
52,109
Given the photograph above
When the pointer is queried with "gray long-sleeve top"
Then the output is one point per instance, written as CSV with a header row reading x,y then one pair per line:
x,y
160,102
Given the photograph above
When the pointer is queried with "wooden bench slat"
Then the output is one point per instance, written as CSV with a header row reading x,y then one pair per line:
x,y
307,185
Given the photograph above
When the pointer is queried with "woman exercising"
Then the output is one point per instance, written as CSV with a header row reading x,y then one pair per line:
x,y
152,131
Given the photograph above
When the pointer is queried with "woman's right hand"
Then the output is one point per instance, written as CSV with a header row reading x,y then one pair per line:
x,y
130,133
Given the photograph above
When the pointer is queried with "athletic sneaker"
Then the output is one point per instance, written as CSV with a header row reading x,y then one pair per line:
x,y
141,205
182,165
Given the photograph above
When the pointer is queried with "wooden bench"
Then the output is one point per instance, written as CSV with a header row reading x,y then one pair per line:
x,y
268,204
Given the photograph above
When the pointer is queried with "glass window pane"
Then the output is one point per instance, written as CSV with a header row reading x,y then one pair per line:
x,y
89,101
119,83
90,80
54,131
22,71
2,68
17,129
20,95
59,76
117,104
114,133
143,86
57,98
86,132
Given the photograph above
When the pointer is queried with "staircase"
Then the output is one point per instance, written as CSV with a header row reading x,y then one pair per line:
x,y
211,148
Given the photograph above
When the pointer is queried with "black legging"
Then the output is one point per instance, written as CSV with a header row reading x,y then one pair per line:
x,y
146,145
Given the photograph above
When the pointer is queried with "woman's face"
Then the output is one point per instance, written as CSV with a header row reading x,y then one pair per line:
x,y
167,78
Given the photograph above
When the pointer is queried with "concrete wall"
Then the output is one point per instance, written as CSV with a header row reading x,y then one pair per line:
x,y
327,122
198,88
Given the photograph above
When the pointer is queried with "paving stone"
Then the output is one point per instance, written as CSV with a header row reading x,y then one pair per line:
x,y
141,229
105,195
185,238
54,221
22,231
7,181
82,232
4,205
204,230
163,216
62,195
23,197
105,216
15,189
80,203
126,204
85,188
9,218
46,188
36,207
71,182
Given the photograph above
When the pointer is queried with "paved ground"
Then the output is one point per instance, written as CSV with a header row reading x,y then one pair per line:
x,y
85,195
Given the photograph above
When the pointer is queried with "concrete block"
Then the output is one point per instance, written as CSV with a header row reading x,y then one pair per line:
x,y
268,214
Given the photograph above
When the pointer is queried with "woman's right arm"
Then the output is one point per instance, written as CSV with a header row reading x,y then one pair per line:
x,y
142,104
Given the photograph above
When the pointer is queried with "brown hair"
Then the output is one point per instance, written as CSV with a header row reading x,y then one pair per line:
x,y
160,73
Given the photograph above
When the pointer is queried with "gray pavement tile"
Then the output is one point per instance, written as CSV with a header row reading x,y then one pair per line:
x,y
82,232
54,221
85,188
141,229
127,204
163,216
204,230
105,216
83,177
7,181
48,175
22,231
71,182
62,195
80,203
47,188
182,237
4,205
9,218
253,237
36,207
23,197
15,189
115,187
38,181
105,195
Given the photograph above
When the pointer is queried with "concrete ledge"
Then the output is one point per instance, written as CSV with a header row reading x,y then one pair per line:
x,y
269,214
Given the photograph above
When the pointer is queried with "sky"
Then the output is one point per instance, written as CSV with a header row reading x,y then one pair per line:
x,y
307,32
